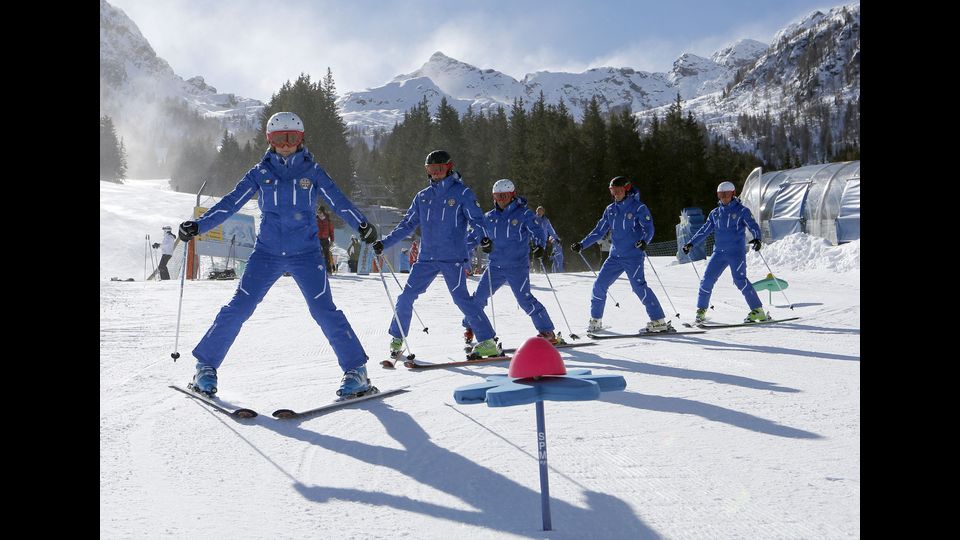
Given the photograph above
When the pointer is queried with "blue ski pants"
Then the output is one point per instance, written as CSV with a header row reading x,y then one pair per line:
x,y
609,272
518,278
557,258
421,276
737,261
310,273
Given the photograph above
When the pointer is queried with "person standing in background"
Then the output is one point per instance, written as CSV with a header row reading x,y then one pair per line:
x,y
325,234
166,251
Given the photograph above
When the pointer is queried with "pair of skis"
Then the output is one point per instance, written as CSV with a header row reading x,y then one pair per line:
x,y
503,357
708,326
245,413
702,328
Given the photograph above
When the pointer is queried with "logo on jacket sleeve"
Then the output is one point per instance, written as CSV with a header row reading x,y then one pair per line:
x,y
629,215
451,202
305,183
648,217
514,222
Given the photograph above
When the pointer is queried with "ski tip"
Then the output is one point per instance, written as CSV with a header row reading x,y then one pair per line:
x,y
387,364
284,413
245,413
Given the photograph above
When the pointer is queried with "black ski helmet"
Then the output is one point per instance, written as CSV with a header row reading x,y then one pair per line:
x,y
621,181
437,157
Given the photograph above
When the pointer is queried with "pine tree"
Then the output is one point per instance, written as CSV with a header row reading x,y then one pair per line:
x,y
113,161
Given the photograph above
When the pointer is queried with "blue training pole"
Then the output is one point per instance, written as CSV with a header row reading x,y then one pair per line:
x,y
544,481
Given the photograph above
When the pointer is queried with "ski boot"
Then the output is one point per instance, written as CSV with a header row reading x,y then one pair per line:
x,y
396,354
467,339
205,380
484,349
354,383
701,316
659,325
595,325
757,315
553,338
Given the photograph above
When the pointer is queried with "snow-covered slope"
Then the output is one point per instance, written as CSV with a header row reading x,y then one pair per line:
x,y
750,433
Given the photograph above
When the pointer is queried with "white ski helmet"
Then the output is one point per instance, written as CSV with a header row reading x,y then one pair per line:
x,y
726,186
167,228
504,186
284,121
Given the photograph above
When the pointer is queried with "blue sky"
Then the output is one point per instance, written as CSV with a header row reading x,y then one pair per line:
x,y
251,47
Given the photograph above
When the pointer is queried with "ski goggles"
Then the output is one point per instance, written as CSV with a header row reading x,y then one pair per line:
x,y
437,168
285,138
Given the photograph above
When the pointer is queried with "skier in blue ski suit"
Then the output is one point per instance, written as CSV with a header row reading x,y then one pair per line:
x,y
556,254
289,183
729,221
631,227
513,227
442,210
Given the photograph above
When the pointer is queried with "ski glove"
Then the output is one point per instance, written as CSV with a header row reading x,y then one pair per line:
x,y
378,247
686,248
155,245
188,229
486,245
536,251
368,233
576,247
641,245
756,244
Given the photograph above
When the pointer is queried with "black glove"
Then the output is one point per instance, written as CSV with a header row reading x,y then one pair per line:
x,y
188,229
486,245
536,251
155,245
576,247
756,244
378,247
368,233
641,245
686,248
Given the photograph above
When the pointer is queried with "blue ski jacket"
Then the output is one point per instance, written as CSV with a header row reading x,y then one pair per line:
x,y
729,223
628,220
511,229
289,189
548,228
442,210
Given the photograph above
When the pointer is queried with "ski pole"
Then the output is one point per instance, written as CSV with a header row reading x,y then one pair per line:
x,y
390,267
595,276
396,317
775,280
155,264
699,279
146,249
183,278
493,314
554,291
662,287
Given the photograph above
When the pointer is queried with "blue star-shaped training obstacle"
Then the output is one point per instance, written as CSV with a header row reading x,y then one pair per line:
x,y
505,391
537,374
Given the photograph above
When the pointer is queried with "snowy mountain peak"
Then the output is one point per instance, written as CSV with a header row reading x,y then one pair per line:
x,y
465,85
743,52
